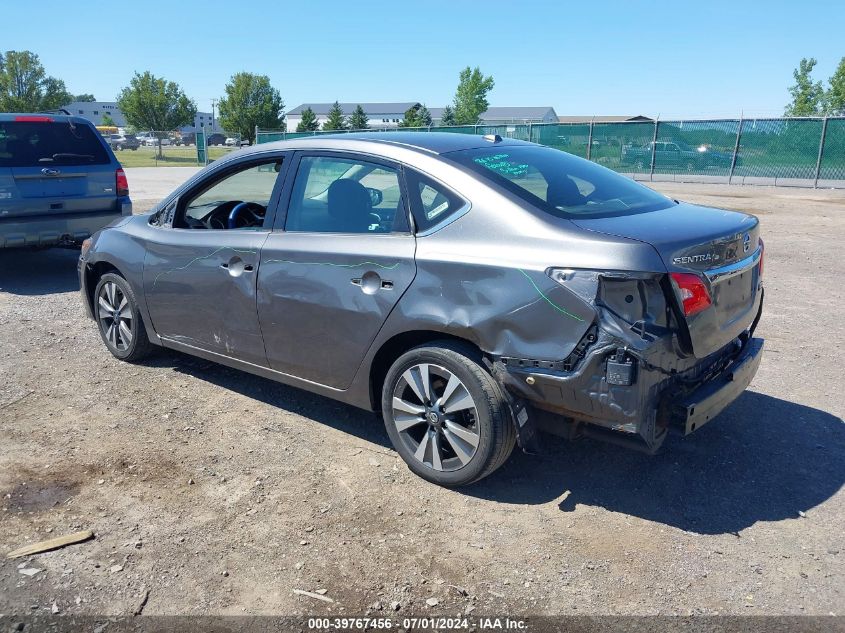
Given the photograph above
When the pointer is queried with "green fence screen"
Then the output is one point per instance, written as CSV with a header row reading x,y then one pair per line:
x,y
833,154
807,149
779,148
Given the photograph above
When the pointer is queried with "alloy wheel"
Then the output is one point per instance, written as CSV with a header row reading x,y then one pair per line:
x,y
115,316
436,417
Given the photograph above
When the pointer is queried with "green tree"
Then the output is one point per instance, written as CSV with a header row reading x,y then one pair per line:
x,y
834,100
448,116
308,121
107,120
153,103
25,85
359,119
251,101
471,95
807,95
335,120
84,98
423,117
411,117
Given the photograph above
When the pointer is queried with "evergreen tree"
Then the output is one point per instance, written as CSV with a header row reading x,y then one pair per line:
x,y
359,120
108,121
335,120
308,122
448,116
423,117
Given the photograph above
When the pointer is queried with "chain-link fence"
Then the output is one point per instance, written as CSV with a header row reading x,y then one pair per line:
x,y
151,148
786,151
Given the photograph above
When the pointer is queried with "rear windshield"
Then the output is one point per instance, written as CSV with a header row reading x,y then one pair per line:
x,y
37,144
560,183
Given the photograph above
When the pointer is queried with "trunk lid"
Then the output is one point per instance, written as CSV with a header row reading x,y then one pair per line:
x,y
721,247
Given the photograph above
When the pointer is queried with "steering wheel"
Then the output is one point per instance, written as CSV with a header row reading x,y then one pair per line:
x,y
254,214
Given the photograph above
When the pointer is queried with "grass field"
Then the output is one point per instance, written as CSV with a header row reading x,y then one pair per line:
x,y
173,156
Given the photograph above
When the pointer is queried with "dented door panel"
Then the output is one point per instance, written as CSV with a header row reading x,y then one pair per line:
x,y
200,289
323,298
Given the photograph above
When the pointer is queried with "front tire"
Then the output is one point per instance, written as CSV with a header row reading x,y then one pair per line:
x,y
118,319
445,415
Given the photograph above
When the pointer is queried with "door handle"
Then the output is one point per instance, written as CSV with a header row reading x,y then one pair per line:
x,y
371,282
236,267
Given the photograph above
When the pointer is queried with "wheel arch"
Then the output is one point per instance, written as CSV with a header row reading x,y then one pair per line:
x,y
397,345
93,273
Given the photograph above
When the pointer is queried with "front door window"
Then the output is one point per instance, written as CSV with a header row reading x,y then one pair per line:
x,y
237,201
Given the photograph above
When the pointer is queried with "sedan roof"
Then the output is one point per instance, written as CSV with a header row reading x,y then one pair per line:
x,y
431,142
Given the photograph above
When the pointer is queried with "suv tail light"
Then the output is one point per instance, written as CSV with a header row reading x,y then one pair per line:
x,y
762,256
121,183
693,292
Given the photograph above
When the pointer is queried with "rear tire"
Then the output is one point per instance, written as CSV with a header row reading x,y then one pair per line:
x,y
445,414
118,319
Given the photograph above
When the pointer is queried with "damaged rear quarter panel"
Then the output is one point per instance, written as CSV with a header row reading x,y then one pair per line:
x,y
483,278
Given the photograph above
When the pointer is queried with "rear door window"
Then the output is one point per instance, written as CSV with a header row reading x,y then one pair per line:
x,y
334,194
431,201
44,144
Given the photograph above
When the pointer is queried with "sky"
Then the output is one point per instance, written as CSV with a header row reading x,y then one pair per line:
x,y
672,59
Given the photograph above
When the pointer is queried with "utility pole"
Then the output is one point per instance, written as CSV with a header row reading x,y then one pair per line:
x,y
213,104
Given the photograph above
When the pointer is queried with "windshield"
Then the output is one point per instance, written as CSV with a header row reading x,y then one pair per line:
x,y
560,183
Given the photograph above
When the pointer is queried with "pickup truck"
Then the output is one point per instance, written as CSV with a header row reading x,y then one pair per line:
x,y
672,154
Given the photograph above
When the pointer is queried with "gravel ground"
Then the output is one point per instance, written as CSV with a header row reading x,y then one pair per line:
x,y
212,491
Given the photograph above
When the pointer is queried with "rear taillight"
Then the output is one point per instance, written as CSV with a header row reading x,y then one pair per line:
x,y
693,292
28,118
120,182
762,256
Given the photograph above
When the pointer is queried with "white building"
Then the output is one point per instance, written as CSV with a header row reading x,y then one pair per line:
x,y
95,110
379,115
502,115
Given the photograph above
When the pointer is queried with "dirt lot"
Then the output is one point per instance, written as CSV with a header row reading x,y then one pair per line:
x,y
212,491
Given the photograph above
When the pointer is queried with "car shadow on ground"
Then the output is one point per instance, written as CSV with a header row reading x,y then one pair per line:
x,y
27,271
365,425
763,459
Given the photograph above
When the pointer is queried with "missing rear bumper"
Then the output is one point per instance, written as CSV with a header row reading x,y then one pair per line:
x,y
691,411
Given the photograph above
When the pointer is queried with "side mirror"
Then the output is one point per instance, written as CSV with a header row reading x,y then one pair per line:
x,y
376,196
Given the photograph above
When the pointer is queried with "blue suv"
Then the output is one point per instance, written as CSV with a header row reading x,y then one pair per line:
x,y
59,181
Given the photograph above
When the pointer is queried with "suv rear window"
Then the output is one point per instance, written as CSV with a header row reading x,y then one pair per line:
x,y
559,183
37,143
